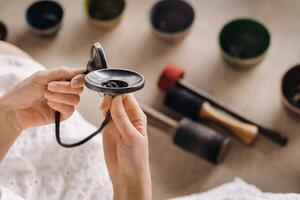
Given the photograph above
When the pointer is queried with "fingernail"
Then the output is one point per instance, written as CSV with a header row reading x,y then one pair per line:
x,y
50,103
46,94
101,108
51,85
75,80
78,70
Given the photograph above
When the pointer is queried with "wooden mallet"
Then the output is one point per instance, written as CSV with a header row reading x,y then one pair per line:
x,y
191,136
196,104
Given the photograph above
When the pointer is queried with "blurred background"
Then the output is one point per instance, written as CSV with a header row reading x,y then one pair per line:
x,y
255,93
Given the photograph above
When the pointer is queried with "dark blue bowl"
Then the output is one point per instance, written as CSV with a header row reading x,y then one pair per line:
x,y
44,17
290,89
3,31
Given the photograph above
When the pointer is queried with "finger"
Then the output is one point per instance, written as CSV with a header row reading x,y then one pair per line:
x,y
77,81
63,87
110,149
56,74
120,118
135,113
106,103
69,99
65,110
131,104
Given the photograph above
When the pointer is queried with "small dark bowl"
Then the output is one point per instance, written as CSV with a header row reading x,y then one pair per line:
x,y
44,17
290,89
104,13
171,19
244,42
3,31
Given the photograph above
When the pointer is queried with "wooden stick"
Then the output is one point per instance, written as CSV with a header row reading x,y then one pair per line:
x,y
246,133
160,120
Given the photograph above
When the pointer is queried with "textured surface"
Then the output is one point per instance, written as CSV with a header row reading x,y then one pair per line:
x,y
254,93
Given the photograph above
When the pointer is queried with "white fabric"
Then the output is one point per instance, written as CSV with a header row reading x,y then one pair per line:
x,y
238,190
6,194
36,167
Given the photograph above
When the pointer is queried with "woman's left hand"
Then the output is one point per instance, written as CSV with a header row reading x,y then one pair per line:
x,y
34,101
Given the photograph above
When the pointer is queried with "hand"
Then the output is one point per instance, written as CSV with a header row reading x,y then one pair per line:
x,y
34,101
125,144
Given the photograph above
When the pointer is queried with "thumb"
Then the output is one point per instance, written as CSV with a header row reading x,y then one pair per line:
x,y
121,119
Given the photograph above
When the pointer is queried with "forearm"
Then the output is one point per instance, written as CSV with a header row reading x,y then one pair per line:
x,y
9,131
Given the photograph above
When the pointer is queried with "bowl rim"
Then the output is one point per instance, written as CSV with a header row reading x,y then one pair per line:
x,y
116,91
248,19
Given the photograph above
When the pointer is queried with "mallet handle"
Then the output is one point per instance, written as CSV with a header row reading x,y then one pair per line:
x,y
159,120
246,133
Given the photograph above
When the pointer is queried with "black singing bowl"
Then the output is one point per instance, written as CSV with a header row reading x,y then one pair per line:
x,y
3,31
171,19
105,13
290,89
114,81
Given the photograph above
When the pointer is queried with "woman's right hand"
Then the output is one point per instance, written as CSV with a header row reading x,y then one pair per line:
x,y
125,144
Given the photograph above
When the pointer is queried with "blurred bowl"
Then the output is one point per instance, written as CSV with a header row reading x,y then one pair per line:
x,y
171,20
290,89
104,13
244,42
44,18
3,31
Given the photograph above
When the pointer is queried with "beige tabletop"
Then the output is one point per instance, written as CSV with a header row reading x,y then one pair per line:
x,y
254,93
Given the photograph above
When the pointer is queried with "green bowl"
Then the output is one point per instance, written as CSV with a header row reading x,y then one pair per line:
x,y
104,13
244,42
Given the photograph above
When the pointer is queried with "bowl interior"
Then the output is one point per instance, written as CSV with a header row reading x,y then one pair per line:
x,y
44,14
105,9
3,31
244,38
114,81
291,86
171,16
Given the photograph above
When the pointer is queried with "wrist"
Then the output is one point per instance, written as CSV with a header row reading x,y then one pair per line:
x,y
9,129
132,188
8,119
